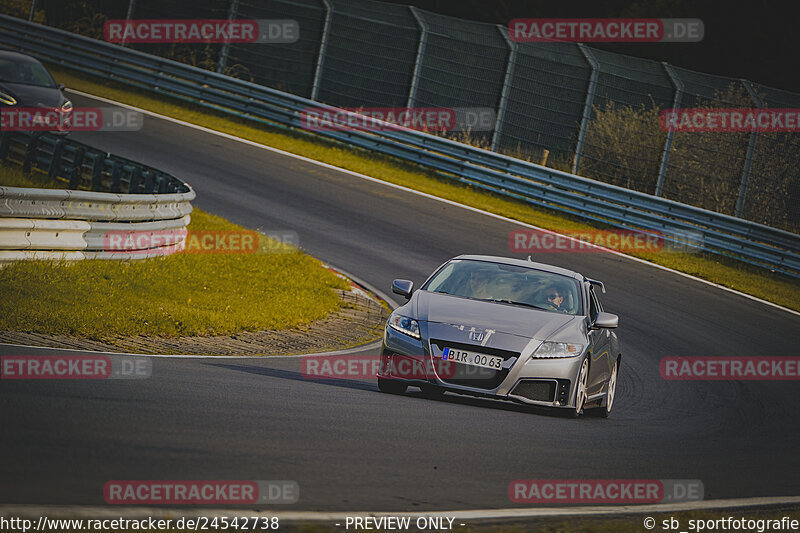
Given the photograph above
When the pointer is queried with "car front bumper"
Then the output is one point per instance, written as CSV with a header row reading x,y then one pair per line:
x,y
534,381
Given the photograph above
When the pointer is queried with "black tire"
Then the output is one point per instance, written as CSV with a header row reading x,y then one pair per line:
x,y
580,390
605,410
391,386
432,392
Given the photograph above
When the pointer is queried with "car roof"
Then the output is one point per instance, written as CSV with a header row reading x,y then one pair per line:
x,y
523,263
18,57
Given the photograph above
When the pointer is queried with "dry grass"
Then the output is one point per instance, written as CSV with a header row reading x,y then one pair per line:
x,y
759,282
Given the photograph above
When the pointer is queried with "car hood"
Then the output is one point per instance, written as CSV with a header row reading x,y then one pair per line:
x,y
503,318
33,96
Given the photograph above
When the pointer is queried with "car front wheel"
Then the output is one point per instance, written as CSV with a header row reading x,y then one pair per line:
x,y
612,391
580,389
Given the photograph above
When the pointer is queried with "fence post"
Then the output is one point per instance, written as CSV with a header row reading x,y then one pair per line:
x,y
55,160
748,159
223,54
97,172
587,108
149,182
423,41
135,180
676,102
33,10
5,143
30,153
501,108
128,17
323,45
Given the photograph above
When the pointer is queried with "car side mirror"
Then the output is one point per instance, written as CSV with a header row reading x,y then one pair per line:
x,y
61,86
403,287
605,320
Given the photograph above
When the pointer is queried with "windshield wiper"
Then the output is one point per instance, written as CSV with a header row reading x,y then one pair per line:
x,y
524,304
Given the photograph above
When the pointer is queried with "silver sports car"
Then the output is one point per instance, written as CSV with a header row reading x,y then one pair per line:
x,y
507,329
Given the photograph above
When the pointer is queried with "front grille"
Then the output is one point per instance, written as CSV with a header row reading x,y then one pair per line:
x,y
535,389
543,390
473,376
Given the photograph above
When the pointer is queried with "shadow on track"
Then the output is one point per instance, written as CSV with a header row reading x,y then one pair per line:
x,y
371,386
297,376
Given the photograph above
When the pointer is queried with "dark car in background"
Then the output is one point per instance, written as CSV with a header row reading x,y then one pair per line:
x,y
27,87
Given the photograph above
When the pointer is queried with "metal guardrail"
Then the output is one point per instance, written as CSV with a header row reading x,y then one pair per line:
x,y
747,241
25,234
69,224
59,239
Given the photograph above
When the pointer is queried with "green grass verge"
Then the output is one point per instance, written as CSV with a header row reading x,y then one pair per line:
x,y
777,288
176,295
13,177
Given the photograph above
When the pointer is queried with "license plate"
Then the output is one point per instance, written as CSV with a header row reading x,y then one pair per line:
x,y
473,359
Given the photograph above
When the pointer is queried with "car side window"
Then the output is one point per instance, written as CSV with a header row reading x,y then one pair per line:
x,y
594,305
598,303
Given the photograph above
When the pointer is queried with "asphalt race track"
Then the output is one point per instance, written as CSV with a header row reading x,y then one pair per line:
x,y
350,447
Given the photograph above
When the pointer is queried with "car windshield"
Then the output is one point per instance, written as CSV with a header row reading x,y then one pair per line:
x,y
24,72
499,282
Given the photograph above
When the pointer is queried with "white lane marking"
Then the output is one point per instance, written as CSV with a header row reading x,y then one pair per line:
x,y
426,195
358,281
124,511
355,349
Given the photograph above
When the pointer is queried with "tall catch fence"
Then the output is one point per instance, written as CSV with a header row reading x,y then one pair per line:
x,y
596,113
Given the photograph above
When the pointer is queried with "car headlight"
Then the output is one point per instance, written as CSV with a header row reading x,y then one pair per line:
x,y
7,99
405,325
553,350
66,106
